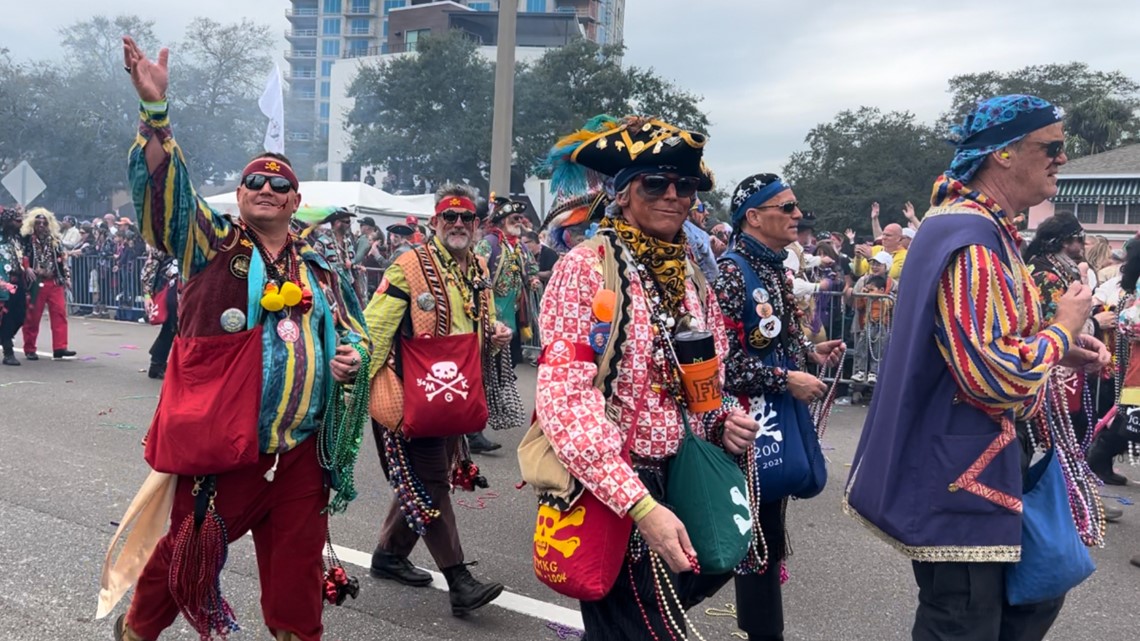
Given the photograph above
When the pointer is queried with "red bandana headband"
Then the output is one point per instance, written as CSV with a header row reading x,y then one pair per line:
x,y
454,202
271,167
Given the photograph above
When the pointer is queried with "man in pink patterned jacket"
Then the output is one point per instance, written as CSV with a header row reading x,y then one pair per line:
x,y
656,170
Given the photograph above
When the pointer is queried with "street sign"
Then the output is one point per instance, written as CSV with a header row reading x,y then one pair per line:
x,y
23,183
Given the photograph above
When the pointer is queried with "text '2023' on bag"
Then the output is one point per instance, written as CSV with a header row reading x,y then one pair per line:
x,y
707,491
1054,560
208,411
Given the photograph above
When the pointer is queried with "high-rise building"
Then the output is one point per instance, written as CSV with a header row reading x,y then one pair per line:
x,y
322,31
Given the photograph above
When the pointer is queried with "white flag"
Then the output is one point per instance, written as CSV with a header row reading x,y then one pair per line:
x,y
272,104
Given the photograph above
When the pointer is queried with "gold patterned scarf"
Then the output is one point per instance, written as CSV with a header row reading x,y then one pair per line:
x,y
664,261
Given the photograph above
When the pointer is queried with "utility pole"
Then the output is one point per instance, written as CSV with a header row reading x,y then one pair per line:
x,y
502,128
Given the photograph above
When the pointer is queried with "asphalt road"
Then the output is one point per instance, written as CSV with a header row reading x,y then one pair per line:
x,y
70,462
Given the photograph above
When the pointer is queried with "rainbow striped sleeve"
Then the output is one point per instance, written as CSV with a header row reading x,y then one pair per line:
x,y
171,216
979,332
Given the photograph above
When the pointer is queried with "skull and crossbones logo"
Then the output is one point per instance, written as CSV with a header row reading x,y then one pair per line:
x,y
550,523
445,379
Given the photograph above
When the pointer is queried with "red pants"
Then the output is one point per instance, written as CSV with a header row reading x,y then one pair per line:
x,y
288,536
50,294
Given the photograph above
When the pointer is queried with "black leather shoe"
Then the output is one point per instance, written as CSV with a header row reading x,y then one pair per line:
x,y
479,444
1136,560
157,371
398,569
62,353
467,594
10,359
31,356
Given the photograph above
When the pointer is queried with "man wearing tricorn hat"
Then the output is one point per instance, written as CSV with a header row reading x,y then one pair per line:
x,y
513,269
941,466
608,379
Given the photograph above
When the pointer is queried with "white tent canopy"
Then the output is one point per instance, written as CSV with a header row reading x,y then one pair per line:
x,y
362,199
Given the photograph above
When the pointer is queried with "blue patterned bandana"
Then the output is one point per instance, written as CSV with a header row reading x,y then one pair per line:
x,y
996,123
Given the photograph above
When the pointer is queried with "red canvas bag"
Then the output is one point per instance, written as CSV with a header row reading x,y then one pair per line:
x,y
208,412
443,385
579,552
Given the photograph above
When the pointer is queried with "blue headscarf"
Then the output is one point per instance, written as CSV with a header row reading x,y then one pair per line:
x,y
754,191
996,123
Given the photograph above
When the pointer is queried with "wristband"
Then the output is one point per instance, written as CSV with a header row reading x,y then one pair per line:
x,y
642,508
157,107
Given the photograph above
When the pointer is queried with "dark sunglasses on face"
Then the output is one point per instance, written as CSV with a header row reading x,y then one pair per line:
x,y
450,217
657,184
278,184
789,207
1053,149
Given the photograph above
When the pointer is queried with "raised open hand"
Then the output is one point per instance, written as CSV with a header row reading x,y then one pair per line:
x,y
149,77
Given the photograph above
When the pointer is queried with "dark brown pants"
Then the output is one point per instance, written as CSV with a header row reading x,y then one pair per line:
x,y
430,459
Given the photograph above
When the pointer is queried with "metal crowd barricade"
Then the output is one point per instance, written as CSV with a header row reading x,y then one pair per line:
x,y
832,316
99,289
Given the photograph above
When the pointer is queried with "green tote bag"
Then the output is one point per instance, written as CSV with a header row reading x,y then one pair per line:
x,y
707,491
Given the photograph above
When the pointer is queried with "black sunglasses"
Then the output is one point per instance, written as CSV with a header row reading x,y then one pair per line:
x,y
657,184
1053,149
278,184
789,207
451,216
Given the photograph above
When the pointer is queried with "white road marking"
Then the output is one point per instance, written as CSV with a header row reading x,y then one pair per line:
x,y
507,600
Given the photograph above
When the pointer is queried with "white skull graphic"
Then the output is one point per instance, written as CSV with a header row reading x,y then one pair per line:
x,y
445,370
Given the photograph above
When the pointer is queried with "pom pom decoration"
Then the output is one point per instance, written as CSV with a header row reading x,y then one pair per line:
x,y
290,293
271,299
603,305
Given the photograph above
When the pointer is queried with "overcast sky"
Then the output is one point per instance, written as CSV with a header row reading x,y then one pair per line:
x,y
768,70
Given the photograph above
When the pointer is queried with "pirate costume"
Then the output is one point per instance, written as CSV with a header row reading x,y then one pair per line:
x,y
511,267
46,255
606,400
941,464
425,293
289,311
13,290
767,341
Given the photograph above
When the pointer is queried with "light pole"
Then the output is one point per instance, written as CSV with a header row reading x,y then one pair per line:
x,y
503,120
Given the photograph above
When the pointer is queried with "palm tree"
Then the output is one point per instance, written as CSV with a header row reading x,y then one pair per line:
x,y
1101,123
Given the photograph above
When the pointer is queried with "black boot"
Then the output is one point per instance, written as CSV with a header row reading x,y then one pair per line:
x,y
480,444
157,370
10,354
1103,450
398,568
467,594
62,353
31,356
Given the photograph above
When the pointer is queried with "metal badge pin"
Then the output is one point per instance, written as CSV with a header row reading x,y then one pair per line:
x,y
233,320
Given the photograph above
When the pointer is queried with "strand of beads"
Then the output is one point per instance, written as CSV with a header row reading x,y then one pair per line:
x,y
1084,499
340,437
1090,414
661,575
756,562
414,499
640,605
821,409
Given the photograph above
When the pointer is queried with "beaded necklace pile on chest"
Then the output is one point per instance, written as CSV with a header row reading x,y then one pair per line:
x,y
284,291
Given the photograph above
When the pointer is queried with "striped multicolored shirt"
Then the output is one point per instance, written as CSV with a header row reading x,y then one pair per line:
x,y
176,221
989,325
